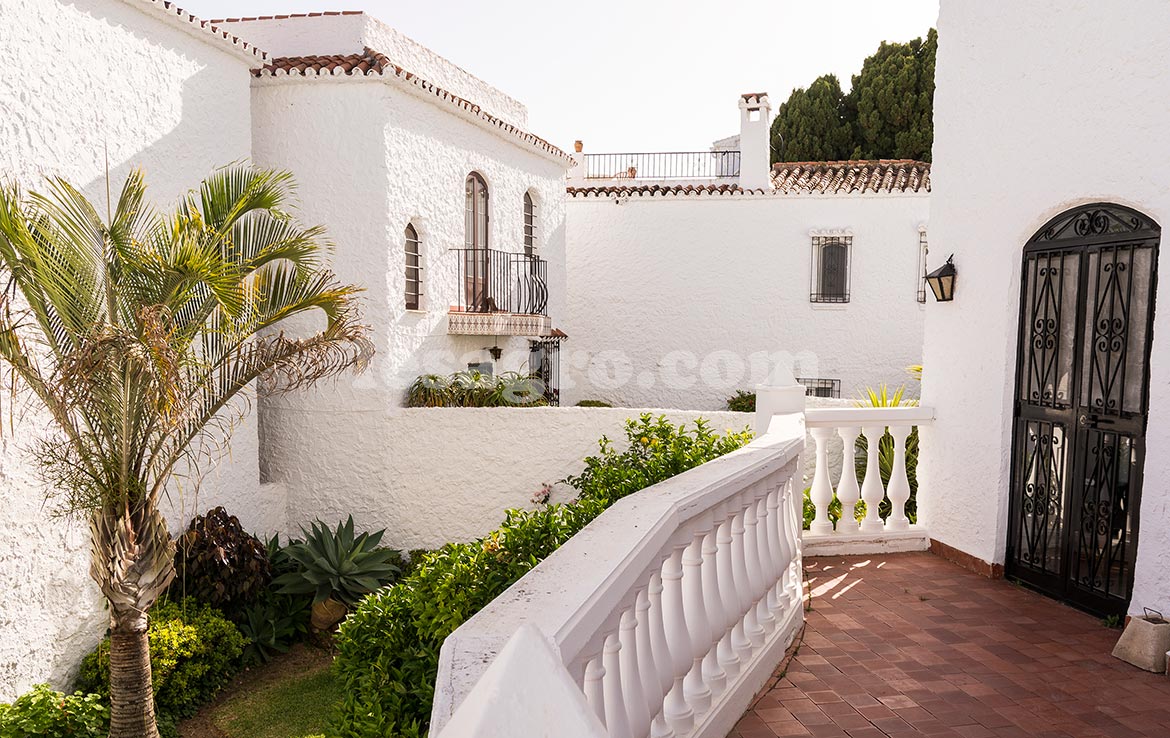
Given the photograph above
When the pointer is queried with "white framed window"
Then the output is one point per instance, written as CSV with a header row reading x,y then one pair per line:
x,y
413,247
832,252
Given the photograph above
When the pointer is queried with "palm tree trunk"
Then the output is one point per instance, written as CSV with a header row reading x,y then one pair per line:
x,y
131,693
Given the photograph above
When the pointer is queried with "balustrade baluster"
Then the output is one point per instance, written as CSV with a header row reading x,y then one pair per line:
x,y
871,487
728,658
764,553
780,555
848,492
899,489
616,718
745,625
678,713
663,661
713,673
821,493
753,628
647,667
594,691
695,689
637,711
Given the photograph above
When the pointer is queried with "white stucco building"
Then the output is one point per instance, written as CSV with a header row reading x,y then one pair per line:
x,y
1050,370
439,202
692,276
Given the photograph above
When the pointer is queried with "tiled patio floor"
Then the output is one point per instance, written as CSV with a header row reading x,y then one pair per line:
x,y
910,645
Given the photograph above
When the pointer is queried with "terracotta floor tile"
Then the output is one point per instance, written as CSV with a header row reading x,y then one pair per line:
x,y
908,646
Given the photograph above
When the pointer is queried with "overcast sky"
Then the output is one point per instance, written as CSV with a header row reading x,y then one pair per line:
x,y
635,75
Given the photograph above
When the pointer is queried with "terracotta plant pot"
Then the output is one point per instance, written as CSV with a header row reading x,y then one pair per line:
x,y
327,614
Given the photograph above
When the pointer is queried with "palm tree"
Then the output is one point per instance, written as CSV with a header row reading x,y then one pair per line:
x,y
141,335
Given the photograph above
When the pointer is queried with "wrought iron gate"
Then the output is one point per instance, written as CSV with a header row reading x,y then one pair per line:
x,y
1082,385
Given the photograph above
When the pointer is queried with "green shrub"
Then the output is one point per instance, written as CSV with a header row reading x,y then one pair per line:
x,y
338,564
388,648
476,389
194,651
743,402
221,564
593,403
275,621
43,712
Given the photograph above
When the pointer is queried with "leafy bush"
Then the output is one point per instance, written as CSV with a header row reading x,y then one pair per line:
x,y
43,712
476,389
194,651
219,563
593,403
338,564
388,648
743,402
275,621
655,450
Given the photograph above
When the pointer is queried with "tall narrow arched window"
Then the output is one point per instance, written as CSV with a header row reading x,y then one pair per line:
x,y
413,270
475,254
529,226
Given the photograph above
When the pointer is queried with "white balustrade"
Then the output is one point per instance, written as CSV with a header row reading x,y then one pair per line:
x,y
846,426
671,609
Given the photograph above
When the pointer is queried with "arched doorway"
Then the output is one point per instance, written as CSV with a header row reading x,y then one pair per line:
x,y
1082,395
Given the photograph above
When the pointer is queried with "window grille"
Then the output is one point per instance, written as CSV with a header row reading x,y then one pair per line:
x,y
529,226
830,269
413,269
922,249
820,387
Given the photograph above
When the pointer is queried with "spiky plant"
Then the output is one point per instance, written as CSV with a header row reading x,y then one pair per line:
x,y
140,333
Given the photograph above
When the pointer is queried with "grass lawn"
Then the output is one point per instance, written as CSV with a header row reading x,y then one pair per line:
x,y
292,697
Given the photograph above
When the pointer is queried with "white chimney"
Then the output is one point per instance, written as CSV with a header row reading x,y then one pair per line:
x,y
755,123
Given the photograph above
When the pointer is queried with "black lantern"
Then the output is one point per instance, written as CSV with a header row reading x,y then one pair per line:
x,y
942,281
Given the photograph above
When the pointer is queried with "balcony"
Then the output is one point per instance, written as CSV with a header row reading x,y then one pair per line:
x,y
663,166
500,293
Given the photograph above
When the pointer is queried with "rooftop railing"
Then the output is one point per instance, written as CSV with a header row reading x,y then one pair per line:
x,y
663,165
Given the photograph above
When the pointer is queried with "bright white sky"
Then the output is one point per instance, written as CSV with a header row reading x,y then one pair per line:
x,y
635,75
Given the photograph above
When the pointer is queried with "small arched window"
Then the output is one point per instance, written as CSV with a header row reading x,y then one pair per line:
x,y
529,225
477,212
413,269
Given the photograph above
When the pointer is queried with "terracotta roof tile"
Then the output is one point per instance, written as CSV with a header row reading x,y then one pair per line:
x,y
287,15
661,190
850,177
371,62
198,25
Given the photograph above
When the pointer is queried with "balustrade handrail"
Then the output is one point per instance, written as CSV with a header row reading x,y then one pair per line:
x,y
832,417
668,607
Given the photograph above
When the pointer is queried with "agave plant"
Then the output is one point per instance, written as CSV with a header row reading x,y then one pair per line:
x,y
429,390
140,334
338,565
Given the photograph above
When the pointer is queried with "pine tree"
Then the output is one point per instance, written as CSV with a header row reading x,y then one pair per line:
x,y
810,126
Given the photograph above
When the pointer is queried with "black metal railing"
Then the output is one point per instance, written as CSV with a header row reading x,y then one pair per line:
x,y
663,165
492,281
820,387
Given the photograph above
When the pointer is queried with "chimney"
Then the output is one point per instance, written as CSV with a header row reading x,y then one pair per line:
x,y
755,122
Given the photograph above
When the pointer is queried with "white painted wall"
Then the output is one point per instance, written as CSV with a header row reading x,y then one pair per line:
x,y
86,81
679,301
1040,106
301,35
434,475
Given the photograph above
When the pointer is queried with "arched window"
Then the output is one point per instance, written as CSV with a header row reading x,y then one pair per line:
x,y
413,270
529,226
475,254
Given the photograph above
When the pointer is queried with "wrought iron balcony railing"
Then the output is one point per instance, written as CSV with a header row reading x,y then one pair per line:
x,y
663,165
493,281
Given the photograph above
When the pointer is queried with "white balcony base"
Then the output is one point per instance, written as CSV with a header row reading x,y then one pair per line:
x,y
842,544
498,324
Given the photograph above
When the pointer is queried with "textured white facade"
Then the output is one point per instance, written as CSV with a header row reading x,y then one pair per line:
x,y
679,300
127,80
1028,125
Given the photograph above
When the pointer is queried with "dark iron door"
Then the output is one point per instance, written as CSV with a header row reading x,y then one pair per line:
x,y
1082,386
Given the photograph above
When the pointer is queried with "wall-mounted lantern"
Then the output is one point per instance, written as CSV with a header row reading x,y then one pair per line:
x,y
942,281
